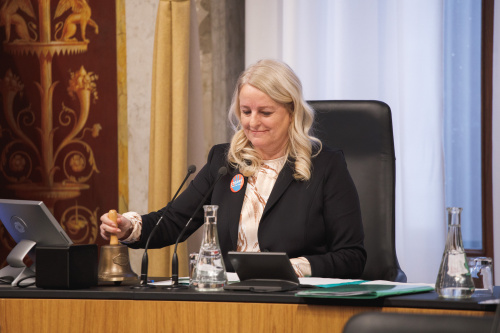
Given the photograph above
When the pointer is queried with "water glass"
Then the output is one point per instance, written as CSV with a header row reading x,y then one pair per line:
x,y
482,275
193,257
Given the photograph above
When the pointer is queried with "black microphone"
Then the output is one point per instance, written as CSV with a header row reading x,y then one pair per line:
x,y
144,265
175,262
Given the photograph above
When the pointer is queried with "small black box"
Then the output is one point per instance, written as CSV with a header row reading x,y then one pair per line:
x,y
66,267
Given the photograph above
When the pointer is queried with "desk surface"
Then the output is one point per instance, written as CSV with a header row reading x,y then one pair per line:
x,y
419,300
159,310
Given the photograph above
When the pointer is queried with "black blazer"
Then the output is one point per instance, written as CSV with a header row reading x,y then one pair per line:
x,y
319,219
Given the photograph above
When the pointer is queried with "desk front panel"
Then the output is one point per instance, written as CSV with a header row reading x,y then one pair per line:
x,y
90,315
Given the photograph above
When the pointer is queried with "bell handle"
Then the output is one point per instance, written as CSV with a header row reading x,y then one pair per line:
x,y
113,239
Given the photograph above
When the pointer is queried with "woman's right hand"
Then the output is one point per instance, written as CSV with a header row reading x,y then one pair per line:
x,y
122,228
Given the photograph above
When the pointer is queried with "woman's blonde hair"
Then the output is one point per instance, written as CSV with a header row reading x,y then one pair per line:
x,y
281,84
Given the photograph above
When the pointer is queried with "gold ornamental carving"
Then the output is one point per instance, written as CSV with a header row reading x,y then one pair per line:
x,y
47,155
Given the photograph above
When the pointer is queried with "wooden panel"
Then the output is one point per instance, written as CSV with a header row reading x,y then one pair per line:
x,y
486,125
60,315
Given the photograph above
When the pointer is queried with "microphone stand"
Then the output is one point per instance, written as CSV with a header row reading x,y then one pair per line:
x,y
175,261
144,264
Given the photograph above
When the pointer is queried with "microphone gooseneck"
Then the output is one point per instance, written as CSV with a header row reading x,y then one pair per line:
x,y
175,261
144,264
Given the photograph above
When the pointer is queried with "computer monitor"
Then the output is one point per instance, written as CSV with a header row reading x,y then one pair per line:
x,y
29,223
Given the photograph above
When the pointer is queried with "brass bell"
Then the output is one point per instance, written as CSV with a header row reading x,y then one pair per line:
x,y
114,262
114,265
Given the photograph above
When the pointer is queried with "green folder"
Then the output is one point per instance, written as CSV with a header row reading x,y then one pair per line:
x,y
364,291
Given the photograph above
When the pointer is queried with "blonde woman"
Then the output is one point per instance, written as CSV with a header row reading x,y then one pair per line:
x,y
284,191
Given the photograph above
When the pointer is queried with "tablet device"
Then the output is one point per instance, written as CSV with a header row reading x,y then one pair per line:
x,y
263,271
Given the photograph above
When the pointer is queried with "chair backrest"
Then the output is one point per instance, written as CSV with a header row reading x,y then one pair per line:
x,y
381,322
363,130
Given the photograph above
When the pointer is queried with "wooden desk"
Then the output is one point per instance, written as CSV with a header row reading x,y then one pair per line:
x,y
121,310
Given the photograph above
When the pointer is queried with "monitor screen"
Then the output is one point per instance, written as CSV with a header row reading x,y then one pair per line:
x,y
32,220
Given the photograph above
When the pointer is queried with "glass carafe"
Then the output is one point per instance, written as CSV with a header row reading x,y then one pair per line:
x,y
210,271
454,279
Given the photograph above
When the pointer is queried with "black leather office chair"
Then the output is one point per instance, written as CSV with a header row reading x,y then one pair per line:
x,y
384,322
363,130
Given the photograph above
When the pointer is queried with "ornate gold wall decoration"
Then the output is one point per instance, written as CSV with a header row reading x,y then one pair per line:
x,y
80,16
43,150
12,19
51,137
81,224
